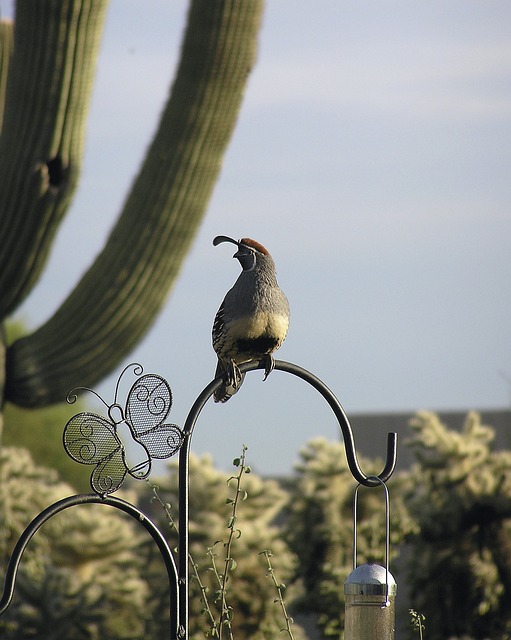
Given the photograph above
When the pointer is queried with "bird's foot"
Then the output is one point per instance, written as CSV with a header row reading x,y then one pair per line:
x,y
234,377
269,365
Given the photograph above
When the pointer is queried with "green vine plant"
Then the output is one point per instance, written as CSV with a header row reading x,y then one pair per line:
x,y
226,611
224,624
206,609
279,599
417,622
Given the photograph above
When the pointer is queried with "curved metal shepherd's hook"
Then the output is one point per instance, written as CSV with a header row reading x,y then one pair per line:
x,y
349,444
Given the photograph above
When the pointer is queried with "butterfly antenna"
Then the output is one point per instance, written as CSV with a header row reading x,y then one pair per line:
x,y
72,396
138,370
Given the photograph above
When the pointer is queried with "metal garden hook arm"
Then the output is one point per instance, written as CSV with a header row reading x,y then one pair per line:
x,y
72,501
349,444
319,385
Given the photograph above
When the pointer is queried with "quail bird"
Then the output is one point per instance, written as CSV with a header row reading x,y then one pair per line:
x,y
253,319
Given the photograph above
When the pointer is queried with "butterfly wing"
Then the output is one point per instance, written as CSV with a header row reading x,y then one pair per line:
x,y
91,439
109,474
161,441
148,404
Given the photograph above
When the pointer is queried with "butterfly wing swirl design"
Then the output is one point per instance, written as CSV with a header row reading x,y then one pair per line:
x,y
148,405
91,439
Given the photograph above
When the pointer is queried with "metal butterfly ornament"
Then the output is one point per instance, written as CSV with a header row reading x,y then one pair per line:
x,y
90,438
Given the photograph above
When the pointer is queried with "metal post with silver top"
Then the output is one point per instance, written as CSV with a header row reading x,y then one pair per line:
x,y
370,590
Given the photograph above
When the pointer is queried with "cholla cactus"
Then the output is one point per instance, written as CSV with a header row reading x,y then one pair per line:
x,y
459,494
80,575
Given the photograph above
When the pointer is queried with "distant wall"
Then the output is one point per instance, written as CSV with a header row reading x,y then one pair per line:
x,y
370,430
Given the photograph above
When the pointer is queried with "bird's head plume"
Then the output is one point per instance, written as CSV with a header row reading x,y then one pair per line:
x,y
247,252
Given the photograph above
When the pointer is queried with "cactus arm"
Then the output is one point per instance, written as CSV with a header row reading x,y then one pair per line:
x,y
118,298
48,89
6,47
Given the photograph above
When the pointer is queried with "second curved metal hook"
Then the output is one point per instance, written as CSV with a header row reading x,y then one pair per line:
x,y
94,498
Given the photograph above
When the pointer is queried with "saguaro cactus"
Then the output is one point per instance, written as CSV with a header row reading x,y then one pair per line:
x,y
119,296
5,57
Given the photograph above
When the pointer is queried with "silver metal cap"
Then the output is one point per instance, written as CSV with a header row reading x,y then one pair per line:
x,y
370,579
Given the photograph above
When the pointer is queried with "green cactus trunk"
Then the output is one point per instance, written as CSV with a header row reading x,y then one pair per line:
x,y
119,297
41,147
6,46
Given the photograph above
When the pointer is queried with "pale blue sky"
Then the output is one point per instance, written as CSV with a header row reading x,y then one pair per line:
x,y
372,158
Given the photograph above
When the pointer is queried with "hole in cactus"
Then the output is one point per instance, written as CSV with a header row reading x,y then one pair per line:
x,y
55,171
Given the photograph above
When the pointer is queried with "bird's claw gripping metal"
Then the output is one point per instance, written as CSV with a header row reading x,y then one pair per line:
x,y
269,365
234,375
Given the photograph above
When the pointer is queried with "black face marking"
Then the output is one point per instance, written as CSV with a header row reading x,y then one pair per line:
x,y
257,346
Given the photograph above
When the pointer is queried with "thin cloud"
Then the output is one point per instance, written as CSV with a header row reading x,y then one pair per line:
x,y
451,80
